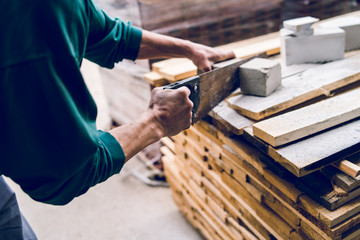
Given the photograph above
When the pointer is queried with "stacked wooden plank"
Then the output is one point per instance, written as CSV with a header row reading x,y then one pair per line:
x,y
227,191
282,167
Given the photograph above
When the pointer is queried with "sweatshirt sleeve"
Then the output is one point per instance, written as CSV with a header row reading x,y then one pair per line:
x,y
110,40
49,142
50,145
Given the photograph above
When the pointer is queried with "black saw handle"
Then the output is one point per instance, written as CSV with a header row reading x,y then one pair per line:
x,y
193,83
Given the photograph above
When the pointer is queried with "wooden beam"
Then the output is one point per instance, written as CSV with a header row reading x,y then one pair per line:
x,y
342,179
229,119
311,154
312,83
348,168
180,71
155,79
303,122
168,63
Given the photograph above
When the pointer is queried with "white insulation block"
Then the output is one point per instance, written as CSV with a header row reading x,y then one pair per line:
x,y
325,45
300,24
351,26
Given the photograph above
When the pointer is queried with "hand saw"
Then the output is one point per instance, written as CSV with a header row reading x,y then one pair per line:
x,y
210,88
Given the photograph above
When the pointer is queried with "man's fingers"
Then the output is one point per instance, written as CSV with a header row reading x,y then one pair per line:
x,y
230,55
185,90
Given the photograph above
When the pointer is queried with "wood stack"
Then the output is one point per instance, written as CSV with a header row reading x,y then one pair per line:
x,y
281,167
227,191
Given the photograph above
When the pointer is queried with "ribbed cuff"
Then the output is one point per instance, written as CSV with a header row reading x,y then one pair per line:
x,y
134,42
115,150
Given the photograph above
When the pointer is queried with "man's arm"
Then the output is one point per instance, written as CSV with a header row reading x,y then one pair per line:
x,y
155,45
169,111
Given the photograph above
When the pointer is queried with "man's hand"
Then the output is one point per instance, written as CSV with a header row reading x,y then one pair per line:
x,y
171,109
204,57
169,113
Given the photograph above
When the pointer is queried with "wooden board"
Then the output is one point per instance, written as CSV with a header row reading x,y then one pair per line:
x,y
264,39
155,79
348,167
311,154
179,71
291,126
342,179
321,190
231,120
168,63
287,71
299,88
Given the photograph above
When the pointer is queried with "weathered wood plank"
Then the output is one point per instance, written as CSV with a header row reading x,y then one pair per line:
x,y
325,216
314,153
306,121
321,190
342,179
180,71
231,120
155,79
168,63
299,88
311,154
348,168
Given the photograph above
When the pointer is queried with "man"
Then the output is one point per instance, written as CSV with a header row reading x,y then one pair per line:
x,y
49,143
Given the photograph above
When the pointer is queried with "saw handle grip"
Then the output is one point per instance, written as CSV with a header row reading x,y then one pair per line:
x,y
193,83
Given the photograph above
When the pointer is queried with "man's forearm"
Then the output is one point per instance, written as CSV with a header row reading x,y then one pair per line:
x,y
169,112
135,136
155,45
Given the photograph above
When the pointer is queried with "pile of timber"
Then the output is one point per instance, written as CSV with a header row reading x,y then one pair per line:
x,y
227,190
281,167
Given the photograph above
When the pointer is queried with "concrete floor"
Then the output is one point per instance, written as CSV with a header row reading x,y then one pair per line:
x,y
120,208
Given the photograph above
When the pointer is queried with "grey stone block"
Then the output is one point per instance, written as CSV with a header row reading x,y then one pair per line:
x,y
260,77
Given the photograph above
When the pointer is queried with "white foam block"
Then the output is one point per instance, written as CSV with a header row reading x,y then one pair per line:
x,y
351,26
300,24
325,45
260,77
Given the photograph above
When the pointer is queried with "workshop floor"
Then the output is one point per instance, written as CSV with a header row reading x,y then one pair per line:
x,y
120,208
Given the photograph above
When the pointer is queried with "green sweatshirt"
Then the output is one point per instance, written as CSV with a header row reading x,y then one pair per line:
x,y
49,143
